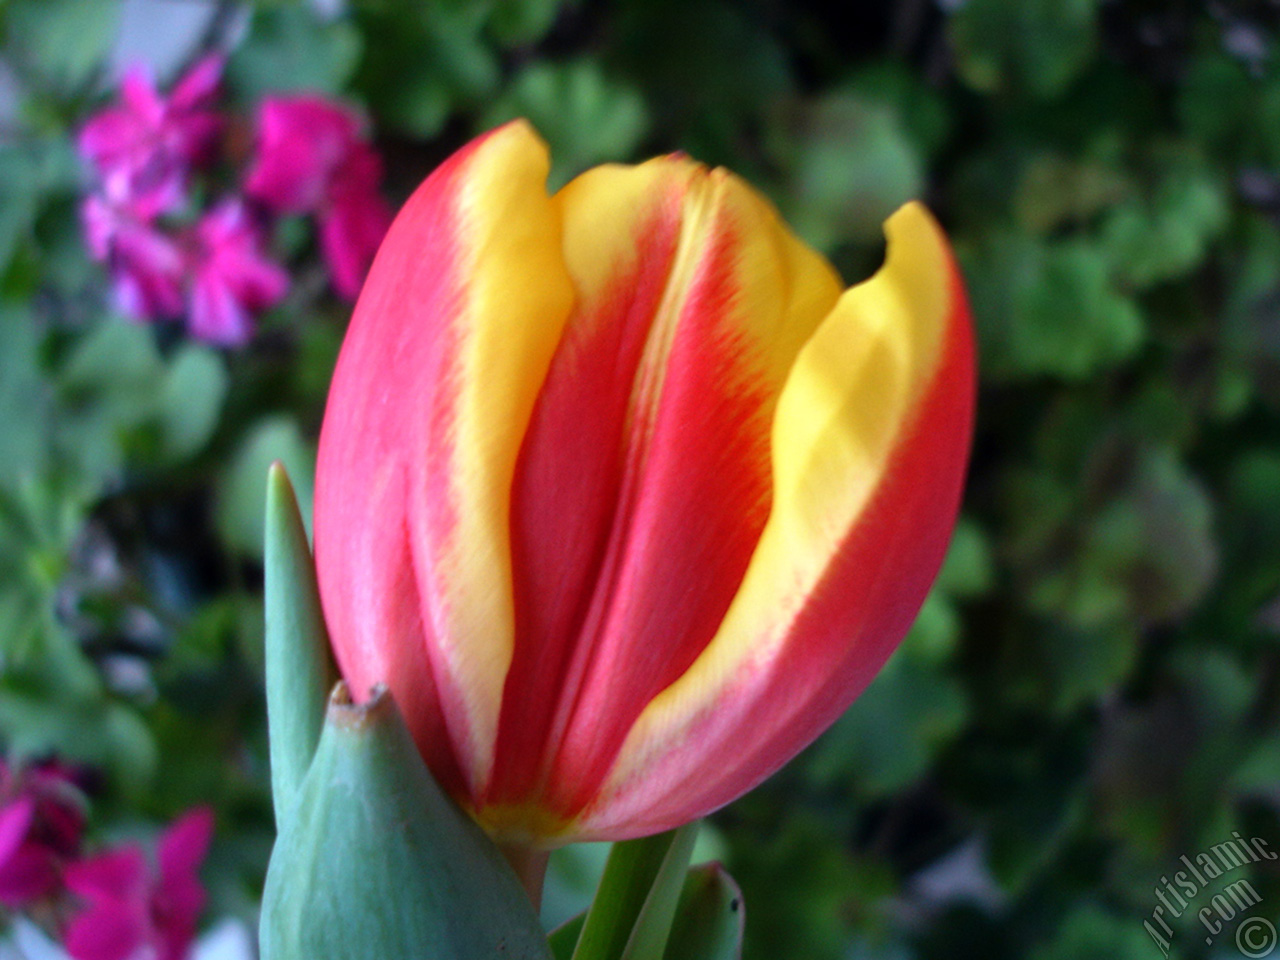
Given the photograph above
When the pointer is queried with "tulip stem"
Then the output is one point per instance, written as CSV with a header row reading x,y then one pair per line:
x,y
530,865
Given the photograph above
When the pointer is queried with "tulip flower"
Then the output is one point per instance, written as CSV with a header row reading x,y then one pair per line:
x,y
620,492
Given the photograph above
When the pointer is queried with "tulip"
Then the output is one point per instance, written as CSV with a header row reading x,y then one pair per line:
x,y
620,494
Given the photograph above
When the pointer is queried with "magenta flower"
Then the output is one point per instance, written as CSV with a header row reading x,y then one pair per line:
x,y
41,823
135,911
232,278
144,146
313,159
147,265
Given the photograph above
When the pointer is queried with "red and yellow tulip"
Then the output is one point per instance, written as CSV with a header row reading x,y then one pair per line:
x,y
621,493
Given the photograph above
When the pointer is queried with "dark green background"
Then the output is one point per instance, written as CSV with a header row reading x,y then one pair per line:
x,y
1091,691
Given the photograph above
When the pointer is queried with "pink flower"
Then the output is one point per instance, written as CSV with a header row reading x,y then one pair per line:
x,y
231,276
134,911
40,829
312,159
217,273
147,265
144,146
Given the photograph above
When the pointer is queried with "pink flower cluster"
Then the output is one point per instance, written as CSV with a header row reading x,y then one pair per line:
x,y
312,159
41,823
211,266
135,910
118,905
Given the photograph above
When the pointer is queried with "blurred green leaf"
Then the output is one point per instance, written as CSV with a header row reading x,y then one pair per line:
x,y
242,497
1048,308
1091,933
60,41
516,22
1036,46
889,736
705,67
195,387
1054,190
709,917
852,164
23,397
967,570
290,48
1162,237
423,61
585,116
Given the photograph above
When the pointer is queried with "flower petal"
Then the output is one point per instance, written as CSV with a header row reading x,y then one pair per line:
x,y
184,845
447,350
870,442
644,481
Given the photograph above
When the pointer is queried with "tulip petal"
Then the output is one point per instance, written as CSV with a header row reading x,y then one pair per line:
x,y
644,481
870,442
449,345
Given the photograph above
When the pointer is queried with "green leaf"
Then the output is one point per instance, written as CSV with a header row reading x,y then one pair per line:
x,y
43,715
242,496
1148,240
1054,190
517,22
423,61
585,116
708,922
299,666
631,915
1033,46
191,400
1048,308
708,65
891,733
107,391
1088,932
564,938
967,570
63,41
652,928
290,48
852,164
573,873
916,105
377,863
709,917
31,172
23,396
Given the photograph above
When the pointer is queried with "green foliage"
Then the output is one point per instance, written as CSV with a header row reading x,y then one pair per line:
x,y
1048,307
1036,48
370,828
585,117
289,49
62,42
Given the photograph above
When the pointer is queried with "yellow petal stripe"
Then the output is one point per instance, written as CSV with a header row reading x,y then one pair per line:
x,y
851,392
